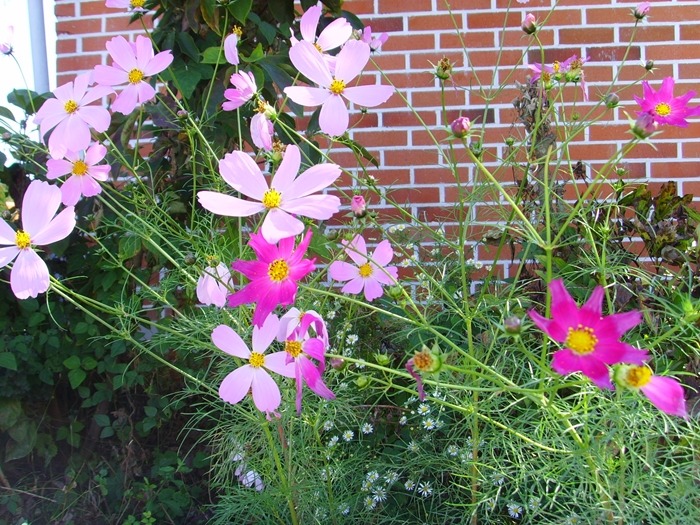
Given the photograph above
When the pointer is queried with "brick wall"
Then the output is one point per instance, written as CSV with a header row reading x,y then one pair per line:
x,y
470,36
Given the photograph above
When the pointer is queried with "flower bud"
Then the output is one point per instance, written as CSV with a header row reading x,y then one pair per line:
x,y
444,69
358,206
460,127
513,324
382,359
644,125
337,363
641,11
362,381
529,24
649,65
612,100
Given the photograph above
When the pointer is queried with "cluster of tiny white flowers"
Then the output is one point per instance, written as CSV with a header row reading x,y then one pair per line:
x,y
327,425
396,228
403,420
351,339
452,450
331,315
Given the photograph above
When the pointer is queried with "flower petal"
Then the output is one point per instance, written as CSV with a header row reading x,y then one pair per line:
x,y
236,385
243,174
310,63
277,362
29,276
266,393
287,171
59,228
368,96
334,118
312,180
351,60
39,205
227,205
265,334
226,339
666,394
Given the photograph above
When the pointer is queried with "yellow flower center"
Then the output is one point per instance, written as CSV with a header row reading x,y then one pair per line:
x,y
576,65
293,348
662,109
581,340
423,361
71,106
545,77
80,168
637,376
135,76
365,270
337,86
256,360
272,198
137,3
318,47
556,66
238,31
278,270
22,240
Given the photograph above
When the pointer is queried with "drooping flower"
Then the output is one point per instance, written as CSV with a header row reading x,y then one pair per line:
x,y
664,107
84,172
231,46
253,376
374,42
286,196
351,60
245,88
6,37
132,64
301,348
133,5
333,35
261,127
273,275
291,321
368,273
70,116
30,275
591,341
665,393
214,285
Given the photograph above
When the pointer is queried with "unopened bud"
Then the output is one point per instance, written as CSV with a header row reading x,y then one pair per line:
x,y
444,69
529,24
612,100
644,125
362,381
641,11
649,65
382,359
358,206
460,127
513,324
337,363
395,292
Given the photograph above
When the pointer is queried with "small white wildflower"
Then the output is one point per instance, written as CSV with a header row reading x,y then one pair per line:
x,y
331,315
360,366
351,339
429,424
572,520
367,428
411,400
466,456
413,447
391,477
366,486
328,425
514,510
403,420
405,263
452,450
533,503
372,476
379,495
498,479
478,265
439,423
348,435
424,489
324,474
409,485
344,509
491,504
333,441
370,504
423,409
469,262
320,514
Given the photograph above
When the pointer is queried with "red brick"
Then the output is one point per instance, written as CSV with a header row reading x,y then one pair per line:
x,y
79,27
392,6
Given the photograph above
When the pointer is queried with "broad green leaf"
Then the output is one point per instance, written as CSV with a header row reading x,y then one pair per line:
x,y
6,113
240,9
129,245
7,360
76,377
210,13
72,363
186,44
255,55
102,420
10,411
213,55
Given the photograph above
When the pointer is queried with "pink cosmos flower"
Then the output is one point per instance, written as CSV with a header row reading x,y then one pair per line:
x,y
253,376
291,321
351,60
301,348
273,275
244,90
368,273
374,42
6,36
664,107
231,47
665,393
84,173
30,275
591,341
214,285
132,64
641,11
334,35
133,5
261,127
71,118
286,196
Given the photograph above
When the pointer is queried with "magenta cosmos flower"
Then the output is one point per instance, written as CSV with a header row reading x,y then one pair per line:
x,y
665,393
214,285
291,321
243,90
84,173
273,275
286,196
301,350
253,376
591,341
70,116
664,107
133,5
333,87
368,273
30,275
132,64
